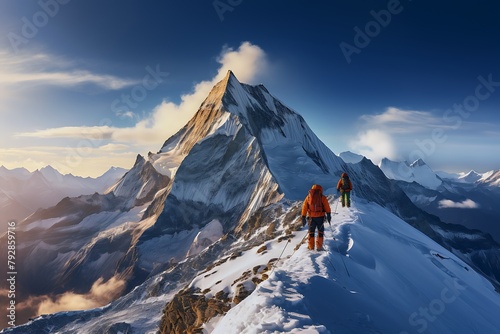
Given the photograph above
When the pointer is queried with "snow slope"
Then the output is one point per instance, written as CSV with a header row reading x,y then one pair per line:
x,y
399,281
377,275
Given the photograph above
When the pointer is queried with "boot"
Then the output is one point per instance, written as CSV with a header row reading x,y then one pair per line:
x,y
319,243
310,243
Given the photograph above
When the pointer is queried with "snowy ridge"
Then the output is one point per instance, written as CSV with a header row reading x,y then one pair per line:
x,y
311,292
385,292
491,178
285,138
351,157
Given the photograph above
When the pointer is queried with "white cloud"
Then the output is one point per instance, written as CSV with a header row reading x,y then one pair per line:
x,y
395,120
467,204
247,62
374,144
393,132
100,294
44,69
83,132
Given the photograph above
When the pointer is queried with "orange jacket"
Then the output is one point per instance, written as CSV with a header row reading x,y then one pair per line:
x,y
340,183
312,214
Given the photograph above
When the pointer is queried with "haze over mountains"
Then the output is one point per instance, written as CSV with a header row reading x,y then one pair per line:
x,y
469,199
184,240
23,192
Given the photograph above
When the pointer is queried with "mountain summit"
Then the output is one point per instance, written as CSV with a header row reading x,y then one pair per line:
x,y
281,136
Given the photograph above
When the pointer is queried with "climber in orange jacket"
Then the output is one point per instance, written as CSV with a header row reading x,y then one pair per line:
x,y
316,206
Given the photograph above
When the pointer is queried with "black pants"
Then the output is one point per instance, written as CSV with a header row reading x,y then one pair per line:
x,y
316,223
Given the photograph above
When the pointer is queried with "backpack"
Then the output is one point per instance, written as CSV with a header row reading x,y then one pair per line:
x,y
345,183
315,199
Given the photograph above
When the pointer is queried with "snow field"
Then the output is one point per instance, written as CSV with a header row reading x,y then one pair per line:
x,y
396,285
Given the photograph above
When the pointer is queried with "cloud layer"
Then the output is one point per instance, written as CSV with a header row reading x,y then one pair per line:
x,y
467,204
248,62
100,294
44,69
374,144
393,132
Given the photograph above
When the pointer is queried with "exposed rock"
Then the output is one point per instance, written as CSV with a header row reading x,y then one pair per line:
x,y
189,310
261,249
241,293
119,328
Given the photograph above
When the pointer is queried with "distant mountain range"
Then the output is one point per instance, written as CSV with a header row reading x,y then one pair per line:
x,y
469,199
23,192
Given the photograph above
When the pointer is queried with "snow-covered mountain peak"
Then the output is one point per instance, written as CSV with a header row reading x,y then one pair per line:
x,y
218,91
280,135
351,157
418,171
418,163
470,177
51,174
140,183
18,173
490,178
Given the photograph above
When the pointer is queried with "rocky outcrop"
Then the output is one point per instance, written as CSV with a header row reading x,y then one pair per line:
x,y
189,310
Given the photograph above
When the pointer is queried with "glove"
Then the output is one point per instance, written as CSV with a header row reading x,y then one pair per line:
x,y
303,221
328,217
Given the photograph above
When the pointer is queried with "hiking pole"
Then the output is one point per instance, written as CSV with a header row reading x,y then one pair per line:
x,y
301,242
338,249
274,264
335,212
295,249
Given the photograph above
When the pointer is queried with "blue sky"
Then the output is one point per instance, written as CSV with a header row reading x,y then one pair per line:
x,y
89,84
